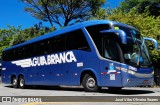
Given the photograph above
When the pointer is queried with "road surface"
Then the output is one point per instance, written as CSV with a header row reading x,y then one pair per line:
x,y
42,95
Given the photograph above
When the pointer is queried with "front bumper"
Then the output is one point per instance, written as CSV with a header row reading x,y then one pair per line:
x,y
132,78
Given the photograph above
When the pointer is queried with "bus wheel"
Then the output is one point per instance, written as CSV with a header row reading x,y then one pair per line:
x,y
21,82
89,83
14,82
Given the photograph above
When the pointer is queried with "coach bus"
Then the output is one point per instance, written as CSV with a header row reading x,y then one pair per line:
x,y
94,54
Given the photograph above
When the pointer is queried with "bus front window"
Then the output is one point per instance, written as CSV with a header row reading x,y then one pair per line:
x,y
138,54
135,51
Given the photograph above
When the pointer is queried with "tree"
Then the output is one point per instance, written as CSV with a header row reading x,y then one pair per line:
x,y
153,6
63,12
4,39
14,36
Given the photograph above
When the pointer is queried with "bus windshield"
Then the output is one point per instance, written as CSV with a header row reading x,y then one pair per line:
x,y
135,51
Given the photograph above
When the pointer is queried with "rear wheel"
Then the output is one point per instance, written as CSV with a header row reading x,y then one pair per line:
x,y
14,82
89,83
21,82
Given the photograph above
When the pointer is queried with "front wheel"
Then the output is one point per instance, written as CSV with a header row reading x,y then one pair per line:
x,y
89,83
21,82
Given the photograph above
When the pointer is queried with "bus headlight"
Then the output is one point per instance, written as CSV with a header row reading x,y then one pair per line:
x,y
131,72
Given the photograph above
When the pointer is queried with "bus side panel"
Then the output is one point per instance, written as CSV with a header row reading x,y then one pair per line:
x,y
65,73
41,75
86,61
8,70
110,74
62,73
71,73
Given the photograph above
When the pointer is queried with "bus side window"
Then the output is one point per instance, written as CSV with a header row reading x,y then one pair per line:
x,y
13,55
60,43
111,49
57,44
8,55
95,34
19,53
42,48
5,56
76,41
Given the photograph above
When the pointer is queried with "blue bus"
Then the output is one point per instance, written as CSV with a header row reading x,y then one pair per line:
x,y
94,54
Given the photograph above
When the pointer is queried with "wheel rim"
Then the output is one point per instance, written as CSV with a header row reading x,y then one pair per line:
x,y
14,81
21,82
91,83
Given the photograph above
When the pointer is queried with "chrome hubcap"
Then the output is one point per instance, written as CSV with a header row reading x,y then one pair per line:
x,y
14,81
21,82
91,83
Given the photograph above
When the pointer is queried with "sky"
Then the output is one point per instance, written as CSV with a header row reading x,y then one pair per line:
x,y
12,13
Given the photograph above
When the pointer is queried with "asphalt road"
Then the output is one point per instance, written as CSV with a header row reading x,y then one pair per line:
x,y
76,95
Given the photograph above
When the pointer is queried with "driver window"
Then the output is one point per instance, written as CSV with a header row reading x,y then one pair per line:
x,y
111,49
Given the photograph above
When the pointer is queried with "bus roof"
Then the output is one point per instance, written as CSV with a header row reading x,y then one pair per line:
x,y
68,29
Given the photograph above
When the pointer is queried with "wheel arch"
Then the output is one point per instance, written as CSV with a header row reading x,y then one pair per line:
x,y
20,76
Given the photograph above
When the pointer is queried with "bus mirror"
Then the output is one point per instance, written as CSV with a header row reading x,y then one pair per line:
x,y
153,41
120,33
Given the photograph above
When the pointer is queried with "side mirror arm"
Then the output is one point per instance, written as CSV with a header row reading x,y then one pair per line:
x,y
153,41
120,33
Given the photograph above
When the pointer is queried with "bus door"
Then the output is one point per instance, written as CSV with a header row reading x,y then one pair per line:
x,y
111,64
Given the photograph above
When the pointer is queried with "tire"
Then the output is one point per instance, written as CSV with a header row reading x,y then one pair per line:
x,y
89,83
21,82
14,82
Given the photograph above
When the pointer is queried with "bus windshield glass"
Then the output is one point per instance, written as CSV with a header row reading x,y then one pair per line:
x,y
135,51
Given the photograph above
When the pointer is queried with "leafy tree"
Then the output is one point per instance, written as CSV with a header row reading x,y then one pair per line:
x,y
14,36
20,35
63,12
5,38
153,6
